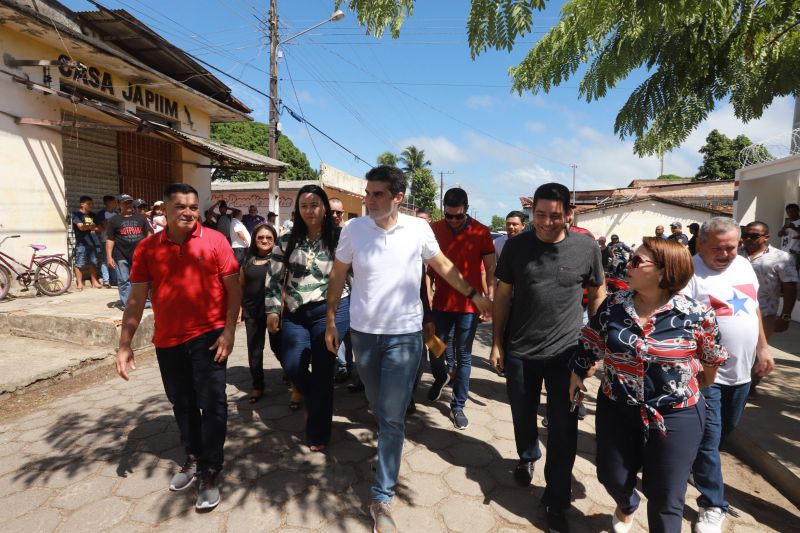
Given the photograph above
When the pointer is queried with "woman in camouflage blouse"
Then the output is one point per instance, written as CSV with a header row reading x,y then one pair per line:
x,y
300,267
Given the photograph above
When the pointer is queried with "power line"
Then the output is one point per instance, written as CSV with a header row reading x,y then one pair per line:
x,y
300,107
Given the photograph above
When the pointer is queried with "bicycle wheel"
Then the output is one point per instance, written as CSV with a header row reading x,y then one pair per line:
x,y
5,282
53,277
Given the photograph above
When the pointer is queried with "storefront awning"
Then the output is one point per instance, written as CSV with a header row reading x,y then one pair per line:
x,y
221,155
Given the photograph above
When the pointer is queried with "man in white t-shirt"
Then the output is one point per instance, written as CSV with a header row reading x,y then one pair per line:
x,y
240,237
726,282
790,233
386,251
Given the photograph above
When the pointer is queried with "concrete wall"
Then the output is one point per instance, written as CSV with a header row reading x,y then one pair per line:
x,y
32,193
632,222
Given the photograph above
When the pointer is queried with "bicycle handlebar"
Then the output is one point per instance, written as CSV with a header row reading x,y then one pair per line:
x,y
10,237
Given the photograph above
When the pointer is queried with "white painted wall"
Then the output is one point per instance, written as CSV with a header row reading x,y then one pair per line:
x,y
632,222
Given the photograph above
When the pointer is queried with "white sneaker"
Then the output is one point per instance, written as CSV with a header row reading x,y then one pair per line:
x,y
618,526
709,520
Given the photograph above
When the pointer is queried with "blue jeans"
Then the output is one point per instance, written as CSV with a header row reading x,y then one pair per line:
x,y
524,379
195,386
465,325
387,365
303,345
123,272
724,407
345,353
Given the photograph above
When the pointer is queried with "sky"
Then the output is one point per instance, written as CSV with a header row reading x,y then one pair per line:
x,y
374,95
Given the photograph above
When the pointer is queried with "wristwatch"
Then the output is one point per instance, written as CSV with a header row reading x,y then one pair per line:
x,y
787,317
472,292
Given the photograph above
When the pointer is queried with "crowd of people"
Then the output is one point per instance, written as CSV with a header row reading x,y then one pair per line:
x,y
377,297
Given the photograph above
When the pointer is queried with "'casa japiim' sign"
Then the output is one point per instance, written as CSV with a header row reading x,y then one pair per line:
x,y
134,93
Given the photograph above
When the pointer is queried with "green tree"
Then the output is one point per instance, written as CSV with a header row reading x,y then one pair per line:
x,y
720,156
413,159
387,158
672,177
695,53
423,189
498,223
254,136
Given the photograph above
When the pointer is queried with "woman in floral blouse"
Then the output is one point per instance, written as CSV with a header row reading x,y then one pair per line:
x,y
298,283
658,348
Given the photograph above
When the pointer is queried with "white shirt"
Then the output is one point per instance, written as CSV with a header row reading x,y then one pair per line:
x,y
773,268
732,294
789,242
236,241
387,272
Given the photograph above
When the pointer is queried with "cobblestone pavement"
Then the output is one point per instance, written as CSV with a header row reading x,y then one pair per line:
x,y
100,459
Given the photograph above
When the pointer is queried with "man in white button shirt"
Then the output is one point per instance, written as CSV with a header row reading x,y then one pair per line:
x,y
386,251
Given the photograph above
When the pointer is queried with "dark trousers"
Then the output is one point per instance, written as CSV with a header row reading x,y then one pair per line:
x,y
195,386
665,462
524,379
256,329
303,345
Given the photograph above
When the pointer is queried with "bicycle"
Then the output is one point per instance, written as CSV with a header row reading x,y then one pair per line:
x,y
52,276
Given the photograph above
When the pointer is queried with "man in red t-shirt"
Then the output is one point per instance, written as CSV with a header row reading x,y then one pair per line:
x,y
193,278
468,244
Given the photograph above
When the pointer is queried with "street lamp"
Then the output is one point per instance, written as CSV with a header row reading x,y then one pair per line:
x,y
273,91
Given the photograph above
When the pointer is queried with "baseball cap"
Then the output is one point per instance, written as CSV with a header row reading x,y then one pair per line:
x,y
139,203
124,198
614,236
676,224
272,214
601,238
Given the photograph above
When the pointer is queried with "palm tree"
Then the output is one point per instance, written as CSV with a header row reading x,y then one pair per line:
x,y
388,158
413,159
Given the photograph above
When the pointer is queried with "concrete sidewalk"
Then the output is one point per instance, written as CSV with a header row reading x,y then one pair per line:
x,y
768,437
101,458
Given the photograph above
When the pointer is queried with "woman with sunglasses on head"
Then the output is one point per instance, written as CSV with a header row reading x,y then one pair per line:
x,y
659,348
253,279
298,284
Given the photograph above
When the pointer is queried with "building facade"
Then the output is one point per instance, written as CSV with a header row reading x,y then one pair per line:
x,y
95,103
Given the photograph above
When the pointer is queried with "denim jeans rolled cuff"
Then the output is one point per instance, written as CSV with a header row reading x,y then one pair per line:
x,y
387,365
463,326
524,379
665,463
303,346
724,407
195,386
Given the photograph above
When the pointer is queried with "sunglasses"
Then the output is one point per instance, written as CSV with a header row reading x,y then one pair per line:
x,y
459,216
637,260
337,212
752,235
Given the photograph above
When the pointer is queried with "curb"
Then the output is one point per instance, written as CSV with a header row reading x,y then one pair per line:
x,y
765,464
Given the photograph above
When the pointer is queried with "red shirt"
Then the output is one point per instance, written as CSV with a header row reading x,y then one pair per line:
x,y
188,295
465,248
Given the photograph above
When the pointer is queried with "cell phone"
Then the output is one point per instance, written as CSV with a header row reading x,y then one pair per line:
x,y
575,397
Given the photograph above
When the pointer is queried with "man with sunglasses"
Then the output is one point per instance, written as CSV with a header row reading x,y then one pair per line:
x,y
776,276
468,244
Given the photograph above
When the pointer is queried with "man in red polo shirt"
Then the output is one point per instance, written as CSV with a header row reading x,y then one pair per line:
x,y
194,280
468,244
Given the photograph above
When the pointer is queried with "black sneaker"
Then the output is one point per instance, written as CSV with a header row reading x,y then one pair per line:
x,y
355,387
459,419
556,521
523,473
436,389
208,494
185,477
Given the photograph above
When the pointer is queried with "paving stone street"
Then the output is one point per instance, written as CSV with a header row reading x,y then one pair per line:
x,y
101,458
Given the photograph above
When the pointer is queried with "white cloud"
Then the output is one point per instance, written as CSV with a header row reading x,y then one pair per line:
x,y
535,127
482,102
440,150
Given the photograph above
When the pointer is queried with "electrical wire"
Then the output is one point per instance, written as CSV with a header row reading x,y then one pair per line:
x,y
300,107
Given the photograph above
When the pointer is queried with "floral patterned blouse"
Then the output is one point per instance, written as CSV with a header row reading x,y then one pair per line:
x,y
652,365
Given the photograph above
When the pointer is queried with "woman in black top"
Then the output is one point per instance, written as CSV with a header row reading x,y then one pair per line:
x,y
253,279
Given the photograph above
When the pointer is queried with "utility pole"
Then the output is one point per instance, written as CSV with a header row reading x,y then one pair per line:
x,y
574,166
273,105
441,189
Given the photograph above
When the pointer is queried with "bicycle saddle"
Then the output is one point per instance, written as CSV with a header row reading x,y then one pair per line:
x,y
38,247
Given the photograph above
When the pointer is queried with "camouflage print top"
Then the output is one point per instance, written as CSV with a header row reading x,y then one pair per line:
x,y
310,267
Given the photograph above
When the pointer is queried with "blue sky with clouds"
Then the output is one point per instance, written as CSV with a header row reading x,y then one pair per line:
x,y
374,95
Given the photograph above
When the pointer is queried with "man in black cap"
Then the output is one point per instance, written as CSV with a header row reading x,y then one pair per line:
x,y
677,233
124,232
